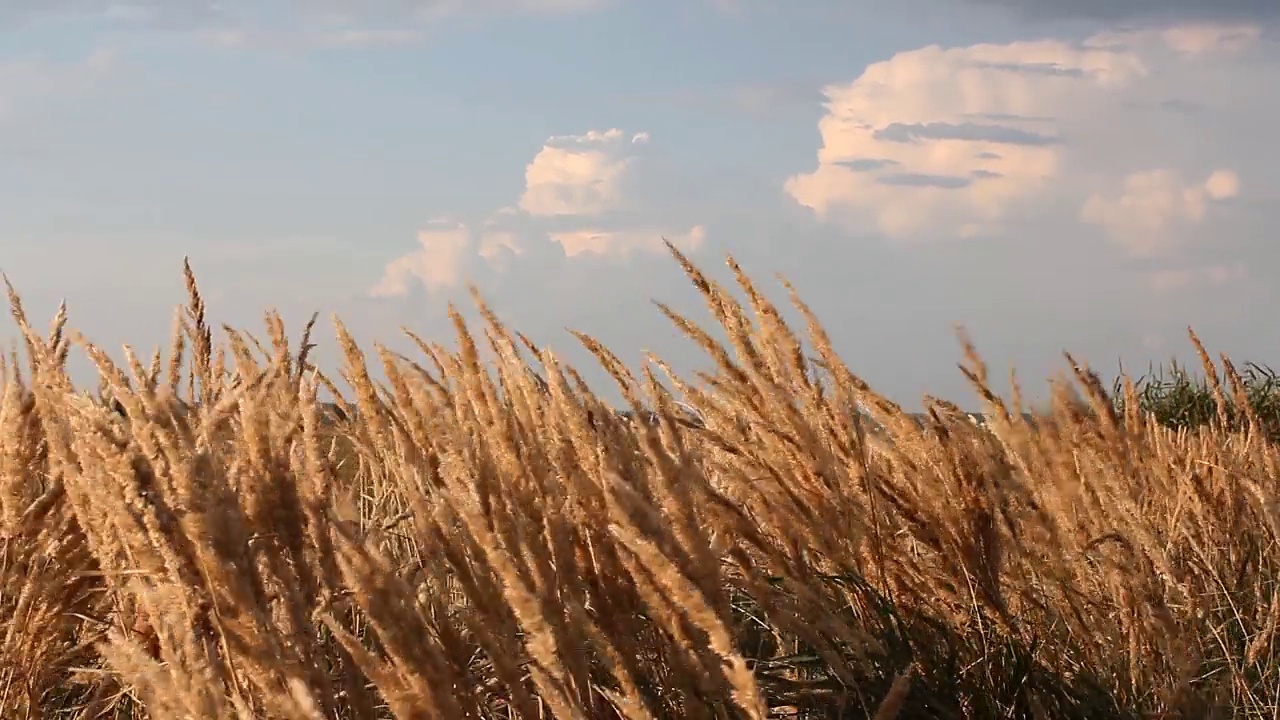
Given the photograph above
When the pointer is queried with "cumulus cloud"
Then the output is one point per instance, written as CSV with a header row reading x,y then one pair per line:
x,y
499,242
1153,206
579,174
438,262
940,143
574,187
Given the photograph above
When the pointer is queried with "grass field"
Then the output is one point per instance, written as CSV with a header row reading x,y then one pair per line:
x,y
470,545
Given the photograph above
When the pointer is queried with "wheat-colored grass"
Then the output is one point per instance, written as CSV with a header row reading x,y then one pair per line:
x,y
466,542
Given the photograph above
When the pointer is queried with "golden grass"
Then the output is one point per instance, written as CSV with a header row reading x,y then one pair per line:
x,y
469,545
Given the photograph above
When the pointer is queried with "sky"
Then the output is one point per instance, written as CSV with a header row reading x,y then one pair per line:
x,y
1089,176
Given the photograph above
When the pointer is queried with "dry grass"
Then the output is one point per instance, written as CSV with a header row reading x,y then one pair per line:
x,y
469,545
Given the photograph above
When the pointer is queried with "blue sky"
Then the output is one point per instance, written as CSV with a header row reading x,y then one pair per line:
x,y
1093,177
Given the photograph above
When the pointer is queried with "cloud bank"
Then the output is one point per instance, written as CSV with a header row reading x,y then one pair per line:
x,y
576,201
1123,130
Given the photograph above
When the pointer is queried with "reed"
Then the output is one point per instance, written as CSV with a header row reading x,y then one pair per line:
x,y
466,541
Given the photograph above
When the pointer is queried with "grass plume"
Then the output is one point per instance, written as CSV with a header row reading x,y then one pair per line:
x,y
472,541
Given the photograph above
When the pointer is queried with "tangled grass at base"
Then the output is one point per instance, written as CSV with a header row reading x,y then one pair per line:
x,y
468,546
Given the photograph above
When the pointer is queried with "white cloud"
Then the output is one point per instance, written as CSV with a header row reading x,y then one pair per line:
x,y
499,244
939,143
623,243
1222,184
437,263
590,136
447,250
1153,207
572,180
579,174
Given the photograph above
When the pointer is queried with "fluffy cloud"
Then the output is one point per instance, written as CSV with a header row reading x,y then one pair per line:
x,y
1154,206
941,143
579,174
575,187
438,261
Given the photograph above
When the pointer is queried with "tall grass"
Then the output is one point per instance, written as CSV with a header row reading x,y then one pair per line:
x,y
1178,398
470,544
